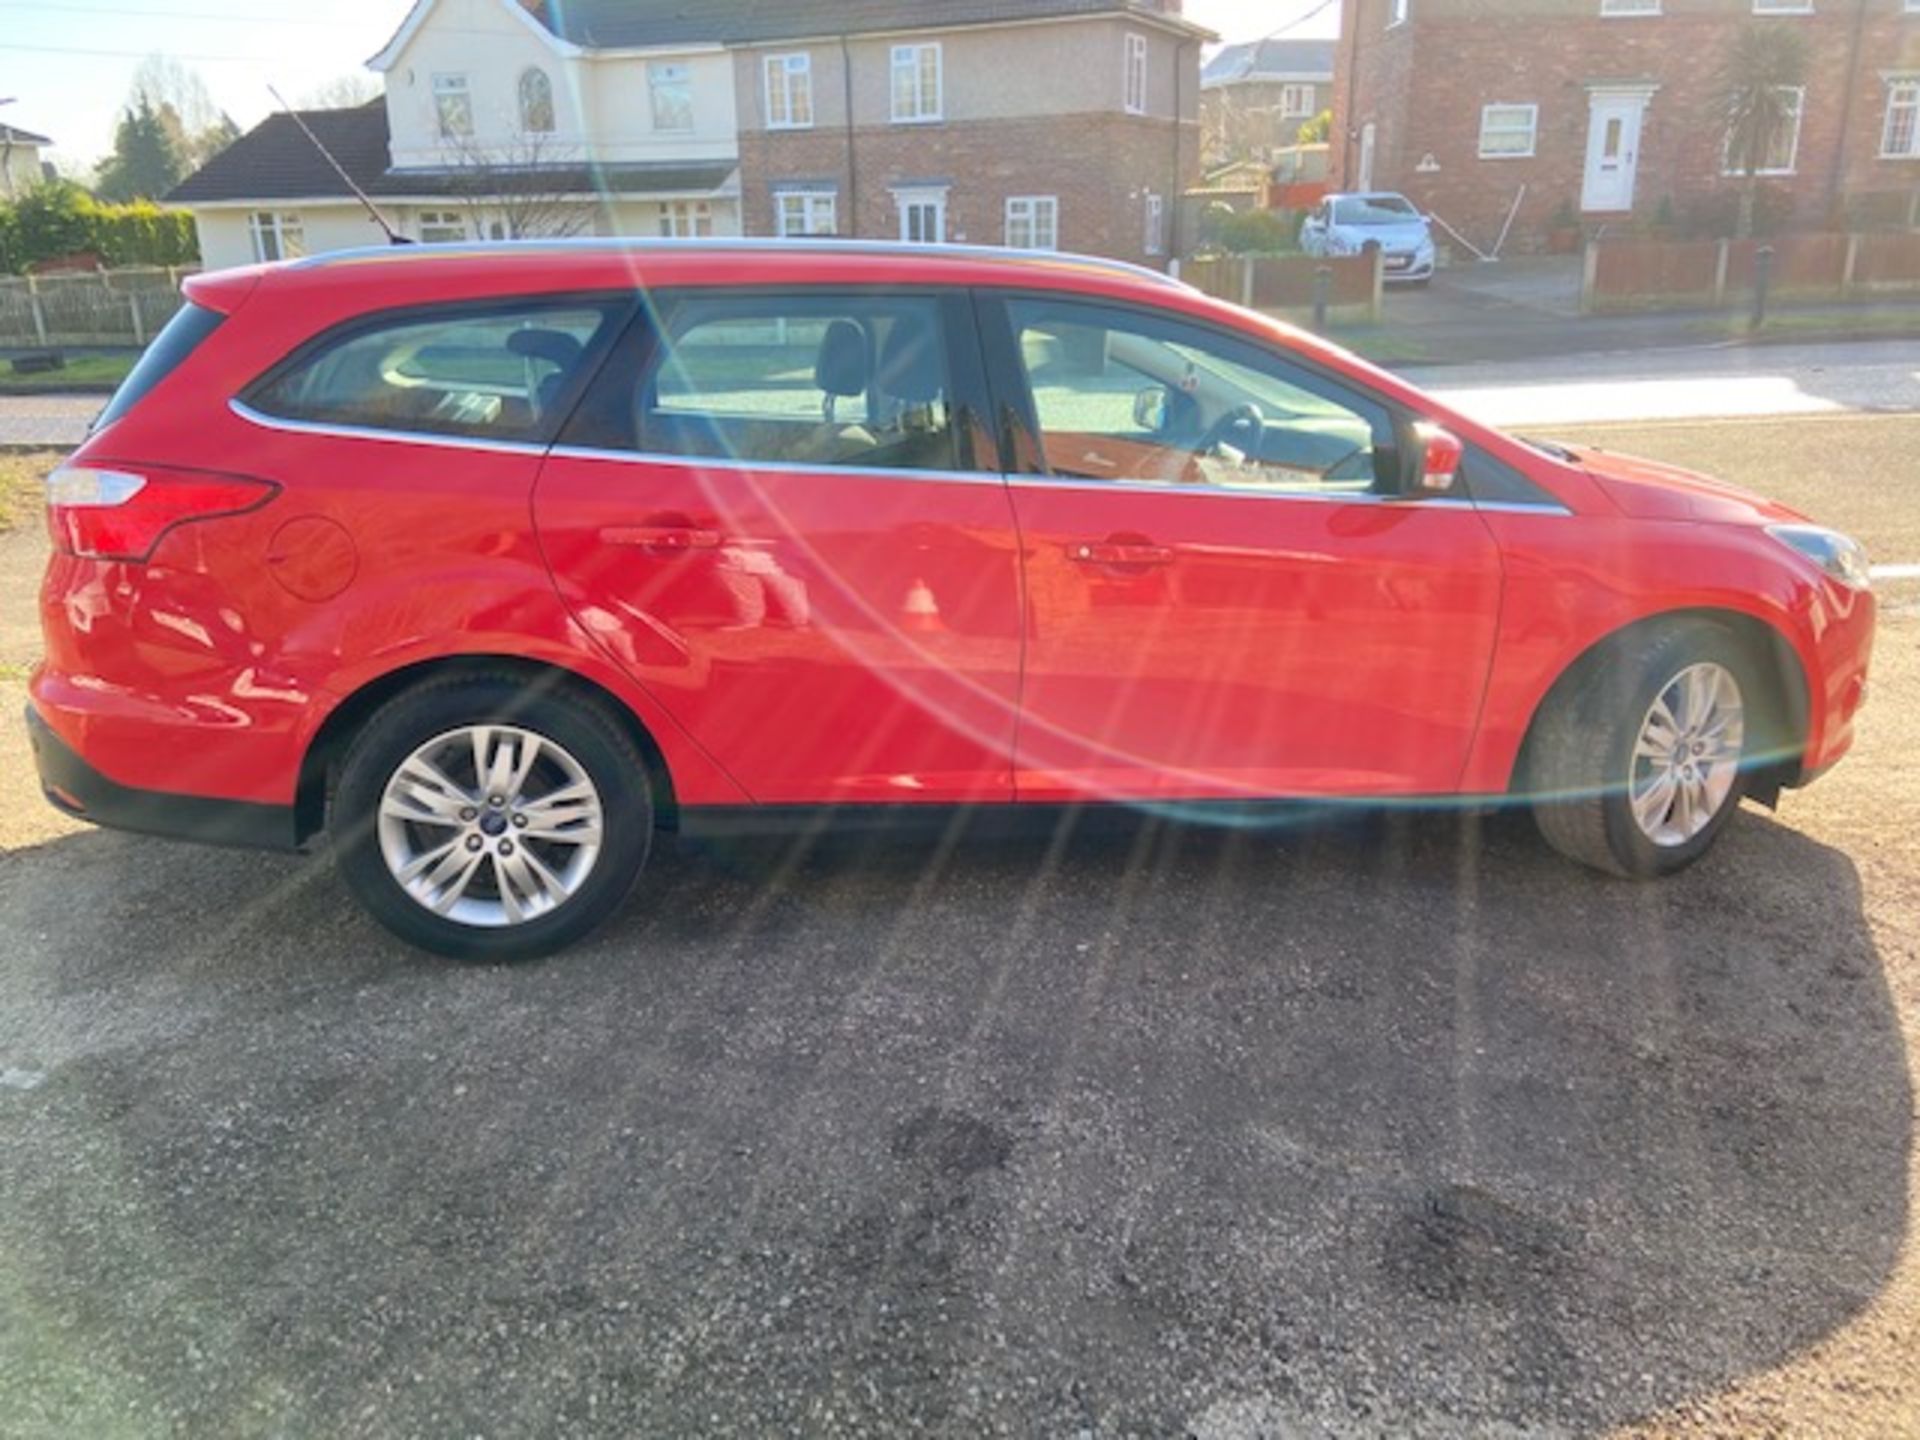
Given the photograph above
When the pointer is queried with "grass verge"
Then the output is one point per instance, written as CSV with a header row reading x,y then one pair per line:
x,y
82,372
20,477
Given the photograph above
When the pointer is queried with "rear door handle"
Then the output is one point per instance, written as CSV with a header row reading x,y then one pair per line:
x,y
1119,552
669,539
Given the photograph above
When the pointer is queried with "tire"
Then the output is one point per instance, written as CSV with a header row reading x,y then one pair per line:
x,y
1586,770
425,848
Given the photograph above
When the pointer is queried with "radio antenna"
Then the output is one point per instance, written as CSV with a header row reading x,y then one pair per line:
x,y
394,237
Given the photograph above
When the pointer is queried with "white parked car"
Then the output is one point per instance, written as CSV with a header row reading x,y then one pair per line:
x,y
1347,224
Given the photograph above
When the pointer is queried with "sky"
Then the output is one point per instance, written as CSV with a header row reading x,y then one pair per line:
x,y
67,63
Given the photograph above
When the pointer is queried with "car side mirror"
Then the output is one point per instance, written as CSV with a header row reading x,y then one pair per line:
x,y
1438,457
1150,409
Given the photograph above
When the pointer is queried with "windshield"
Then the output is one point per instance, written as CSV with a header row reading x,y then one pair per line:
x,y
1373,210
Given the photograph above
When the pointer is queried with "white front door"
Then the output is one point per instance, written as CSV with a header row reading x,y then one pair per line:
x,y
1613,151
923,216
1365,179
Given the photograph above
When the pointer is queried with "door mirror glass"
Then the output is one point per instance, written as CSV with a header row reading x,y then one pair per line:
x,y
1440,455
1150,409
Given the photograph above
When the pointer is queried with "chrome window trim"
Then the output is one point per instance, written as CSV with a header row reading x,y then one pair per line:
x,y
370,432
1350,497
777,467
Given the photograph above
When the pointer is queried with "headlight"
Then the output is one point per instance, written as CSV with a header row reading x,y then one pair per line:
x,y
1842,557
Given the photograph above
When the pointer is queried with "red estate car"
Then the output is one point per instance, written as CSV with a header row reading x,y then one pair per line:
x,y
492,562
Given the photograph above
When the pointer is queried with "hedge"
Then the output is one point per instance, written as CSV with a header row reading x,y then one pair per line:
x,y
60,219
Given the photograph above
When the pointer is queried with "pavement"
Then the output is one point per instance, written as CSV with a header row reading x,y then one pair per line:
x,y
1376,1124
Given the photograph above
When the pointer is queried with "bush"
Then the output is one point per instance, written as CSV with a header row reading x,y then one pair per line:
x,y
1256,232
59,219
1716,215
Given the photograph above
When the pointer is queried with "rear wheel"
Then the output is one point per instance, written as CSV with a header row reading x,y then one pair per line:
x,y
481,819
1636,768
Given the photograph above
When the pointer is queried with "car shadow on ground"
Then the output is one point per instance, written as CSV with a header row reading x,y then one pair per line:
x,y
1396,1123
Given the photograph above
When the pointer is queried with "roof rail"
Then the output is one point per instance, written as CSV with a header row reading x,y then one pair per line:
x,y
794,245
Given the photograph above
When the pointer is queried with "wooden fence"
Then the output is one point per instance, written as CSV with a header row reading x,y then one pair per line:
x,y
102,307
1701,274
1286,283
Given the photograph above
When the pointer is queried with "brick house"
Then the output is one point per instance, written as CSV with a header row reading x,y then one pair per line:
x,y
1046,123
1070,124
1255,97
1608,108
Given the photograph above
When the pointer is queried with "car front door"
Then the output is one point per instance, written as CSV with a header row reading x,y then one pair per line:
x,y
1227,595
779,512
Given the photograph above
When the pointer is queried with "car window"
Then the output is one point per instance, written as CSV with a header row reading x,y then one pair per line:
x,y
186,332
503,373
1125,396
857,380
1374,210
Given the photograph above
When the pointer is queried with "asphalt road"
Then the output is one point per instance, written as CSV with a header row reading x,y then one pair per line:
x,y
1384,1124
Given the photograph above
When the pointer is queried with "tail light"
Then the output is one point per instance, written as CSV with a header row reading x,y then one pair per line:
x,y
121,514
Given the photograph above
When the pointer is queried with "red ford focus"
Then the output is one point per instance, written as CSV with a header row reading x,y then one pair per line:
x,y
491,563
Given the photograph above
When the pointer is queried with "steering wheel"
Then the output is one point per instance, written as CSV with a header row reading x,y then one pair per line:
x,y
1247,417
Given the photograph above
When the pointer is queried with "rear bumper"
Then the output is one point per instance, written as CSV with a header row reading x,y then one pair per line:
x,y
75,787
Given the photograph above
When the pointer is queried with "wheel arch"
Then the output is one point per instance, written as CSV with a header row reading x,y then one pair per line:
x,y
331,741
1785,707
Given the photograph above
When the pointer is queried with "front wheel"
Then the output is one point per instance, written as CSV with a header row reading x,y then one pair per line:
x,y
485,819
1637,768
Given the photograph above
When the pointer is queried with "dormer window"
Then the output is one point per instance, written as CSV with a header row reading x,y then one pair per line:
x,y
672,87
536,102
453,104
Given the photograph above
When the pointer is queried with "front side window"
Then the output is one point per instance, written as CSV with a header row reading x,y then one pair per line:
x,y
686,219
1136,74
536,102
439,227
916,83
453,104
1133,398
500,373
1507,131
806,212
789,92
1783,141
277,235
1900,132
858,380
672,90
1033,222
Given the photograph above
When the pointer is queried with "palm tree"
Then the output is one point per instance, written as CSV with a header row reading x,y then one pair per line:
x,y
1759,86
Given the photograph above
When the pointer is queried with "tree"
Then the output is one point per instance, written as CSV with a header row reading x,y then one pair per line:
x,y
146,161
527,189
344,92
200,129
1316,130
1759,87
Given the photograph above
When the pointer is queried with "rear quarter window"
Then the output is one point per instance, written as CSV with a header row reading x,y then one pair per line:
x,y
184,334
505,372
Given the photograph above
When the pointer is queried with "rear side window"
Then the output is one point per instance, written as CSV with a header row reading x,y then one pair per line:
x,y
190,326
503,373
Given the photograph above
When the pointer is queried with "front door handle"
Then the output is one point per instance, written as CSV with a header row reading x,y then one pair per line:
x,y
664,539
1119,553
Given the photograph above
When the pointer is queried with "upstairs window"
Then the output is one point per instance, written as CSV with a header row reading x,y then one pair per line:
x,y
1136,76
916,83
453,104
1783,7
536,102
1900,133
1396,13
1296,102
789,92
1629,7
1507,131
672,90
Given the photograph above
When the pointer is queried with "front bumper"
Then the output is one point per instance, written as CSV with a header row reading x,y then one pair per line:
x,y
1414,269
75,787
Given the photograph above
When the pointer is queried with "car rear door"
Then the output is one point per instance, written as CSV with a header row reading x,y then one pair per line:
x,y
1227,596
781,512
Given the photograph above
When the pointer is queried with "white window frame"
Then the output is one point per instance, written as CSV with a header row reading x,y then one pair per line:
x,y
1134,77
553,105
686,219
1511,107
910,198
925,109
1628,9
810,208
448,87
1783,7
1154,238
663,75
1296,101
1040,217
1728,168
788,81
1903,94
288,230
1397,12
446,221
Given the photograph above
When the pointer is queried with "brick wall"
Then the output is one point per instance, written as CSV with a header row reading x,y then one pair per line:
x,y
1424,83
